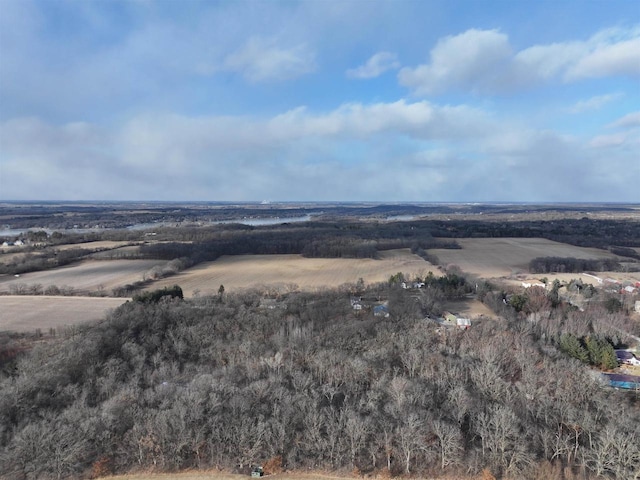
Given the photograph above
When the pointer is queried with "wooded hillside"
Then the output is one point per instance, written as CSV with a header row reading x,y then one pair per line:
x,y
306,382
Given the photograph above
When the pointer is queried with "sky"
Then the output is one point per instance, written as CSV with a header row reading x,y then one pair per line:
x,y
384,101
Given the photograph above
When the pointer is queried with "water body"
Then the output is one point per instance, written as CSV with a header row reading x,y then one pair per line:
x,y
402,218
254,222
13,232
257,222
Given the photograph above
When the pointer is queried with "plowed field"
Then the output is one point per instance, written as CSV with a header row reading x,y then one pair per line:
x,y
85,276
500,257
21,313
255,271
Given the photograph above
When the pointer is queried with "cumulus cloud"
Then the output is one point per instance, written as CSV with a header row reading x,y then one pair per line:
x,y
375,66
473,60
261,60
483,61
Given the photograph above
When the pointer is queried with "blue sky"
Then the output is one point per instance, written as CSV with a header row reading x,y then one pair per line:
x,y
441,101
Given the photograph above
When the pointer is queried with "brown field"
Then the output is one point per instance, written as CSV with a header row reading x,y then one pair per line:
x,y
22,313
101,245
503,257
469,308
255,271
86,276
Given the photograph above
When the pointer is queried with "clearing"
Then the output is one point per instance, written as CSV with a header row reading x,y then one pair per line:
x,y
85,276
99,245
469,308
255,271
21,313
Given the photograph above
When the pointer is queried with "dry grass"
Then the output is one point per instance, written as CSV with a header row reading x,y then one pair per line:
x,y
86,276
100,245
10,257
22,313
255,271
469,308
502,257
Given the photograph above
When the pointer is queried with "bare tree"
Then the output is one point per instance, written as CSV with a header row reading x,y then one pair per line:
x,y
449,442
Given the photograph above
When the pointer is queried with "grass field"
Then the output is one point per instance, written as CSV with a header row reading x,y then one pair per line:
x,y
254,271
101,245
503,257
86,276
21,313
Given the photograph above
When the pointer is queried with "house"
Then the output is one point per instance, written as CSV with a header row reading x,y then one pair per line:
x,y
464,323
18,243
637,306
355,303
451,320
627,357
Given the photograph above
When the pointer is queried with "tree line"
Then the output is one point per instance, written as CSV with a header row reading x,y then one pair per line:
x,y
573,265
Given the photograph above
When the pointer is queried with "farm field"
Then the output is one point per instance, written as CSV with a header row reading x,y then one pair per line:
x,y
503,257
21,313
254,271
100,245
86,276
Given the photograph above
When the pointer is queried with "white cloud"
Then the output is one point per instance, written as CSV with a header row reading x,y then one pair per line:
x,y
630,120
386,151
483,61
472,60
261,60
593,103
417,120
617,59
375,66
